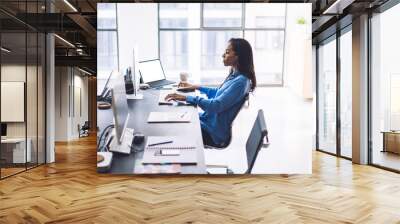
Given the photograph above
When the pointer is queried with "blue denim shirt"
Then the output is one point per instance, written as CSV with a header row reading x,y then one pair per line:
x,y
221,106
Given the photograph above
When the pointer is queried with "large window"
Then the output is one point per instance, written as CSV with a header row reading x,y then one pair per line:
x,y
193,38
335,73
327,96
385,89
346,94
107,42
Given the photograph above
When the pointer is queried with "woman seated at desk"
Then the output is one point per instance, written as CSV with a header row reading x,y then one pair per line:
x,y
223,103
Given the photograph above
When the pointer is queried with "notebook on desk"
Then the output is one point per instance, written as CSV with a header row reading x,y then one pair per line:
x,y
170,117
169,149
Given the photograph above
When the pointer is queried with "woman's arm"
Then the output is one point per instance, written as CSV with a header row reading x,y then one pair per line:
x,y
229,97
209,91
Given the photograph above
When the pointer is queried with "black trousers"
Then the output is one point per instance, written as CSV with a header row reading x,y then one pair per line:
x,y
207,140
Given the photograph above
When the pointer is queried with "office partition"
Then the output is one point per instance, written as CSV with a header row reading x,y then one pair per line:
x,y
22,65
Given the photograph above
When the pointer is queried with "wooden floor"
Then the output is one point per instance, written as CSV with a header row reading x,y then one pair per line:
x,y
70,191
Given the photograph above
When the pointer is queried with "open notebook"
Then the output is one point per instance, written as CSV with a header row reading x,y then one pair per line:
x,y
179,149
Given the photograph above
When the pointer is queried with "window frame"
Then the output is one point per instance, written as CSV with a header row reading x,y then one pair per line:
x,y
371,14
243,29
334,37
112,30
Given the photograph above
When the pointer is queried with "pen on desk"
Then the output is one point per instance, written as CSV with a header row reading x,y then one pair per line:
x,y
160,143
183,114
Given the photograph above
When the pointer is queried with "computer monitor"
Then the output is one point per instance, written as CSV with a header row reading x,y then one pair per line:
x,y
107,86
135,70
119,107
151,70
3,130
133,74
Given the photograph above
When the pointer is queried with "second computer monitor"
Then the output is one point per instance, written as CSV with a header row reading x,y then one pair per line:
x,y
119,107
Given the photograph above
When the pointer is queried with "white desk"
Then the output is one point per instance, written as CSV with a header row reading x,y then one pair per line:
x,y
18,150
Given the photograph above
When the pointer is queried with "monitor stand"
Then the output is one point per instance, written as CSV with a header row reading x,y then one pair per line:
x,y
125,146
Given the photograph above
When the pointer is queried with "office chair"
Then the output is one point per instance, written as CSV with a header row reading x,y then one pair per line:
x,y
84,130
246,98
255,140
254,143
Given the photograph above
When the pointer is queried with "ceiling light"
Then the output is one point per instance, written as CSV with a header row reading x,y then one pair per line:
x,y
70,5
338,6
86,72
64,40
5,50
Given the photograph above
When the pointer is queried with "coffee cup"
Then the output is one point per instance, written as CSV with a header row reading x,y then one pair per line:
x,y
184,76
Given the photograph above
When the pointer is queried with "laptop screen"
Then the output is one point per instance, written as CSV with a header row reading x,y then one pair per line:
x,y
151,71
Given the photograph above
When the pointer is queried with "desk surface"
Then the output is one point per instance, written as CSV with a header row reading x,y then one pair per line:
x,y
139,111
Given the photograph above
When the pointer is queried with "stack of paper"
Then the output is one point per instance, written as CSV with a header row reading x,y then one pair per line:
x,y
170,117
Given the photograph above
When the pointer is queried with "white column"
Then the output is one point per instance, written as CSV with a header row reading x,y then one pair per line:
x,y
50,99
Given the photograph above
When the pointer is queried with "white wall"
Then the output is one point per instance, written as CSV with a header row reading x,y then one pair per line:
x,y
137,26
12,73
61,106
68,81
298,50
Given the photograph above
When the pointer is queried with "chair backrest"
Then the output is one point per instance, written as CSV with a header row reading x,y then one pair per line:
x,y
255,140
86,125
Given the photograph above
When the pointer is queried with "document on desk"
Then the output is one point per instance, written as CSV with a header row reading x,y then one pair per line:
x,y
170,149
170,117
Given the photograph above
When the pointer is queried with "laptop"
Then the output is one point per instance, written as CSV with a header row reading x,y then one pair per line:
x,y
153,74
169,149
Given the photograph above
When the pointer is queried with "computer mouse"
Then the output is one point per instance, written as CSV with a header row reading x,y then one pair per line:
x,y
138,139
